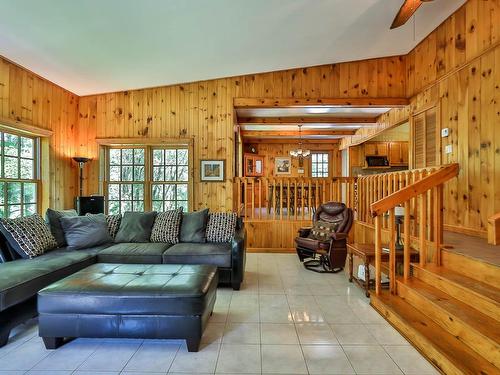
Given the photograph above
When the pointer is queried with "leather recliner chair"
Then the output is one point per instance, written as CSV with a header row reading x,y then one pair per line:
x,y
331,253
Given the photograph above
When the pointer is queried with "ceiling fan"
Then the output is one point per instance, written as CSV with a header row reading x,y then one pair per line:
x,y
406,11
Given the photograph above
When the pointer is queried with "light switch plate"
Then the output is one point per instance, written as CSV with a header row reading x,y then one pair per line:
x,y
445,132
448,149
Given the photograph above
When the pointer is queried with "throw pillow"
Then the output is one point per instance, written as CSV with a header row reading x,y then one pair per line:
x,y
221,226
321,230
28,236
52,218
85,231
136,227
167,226
194,226
113,223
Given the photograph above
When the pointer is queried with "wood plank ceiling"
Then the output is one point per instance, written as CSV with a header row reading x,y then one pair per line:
x,y
327,120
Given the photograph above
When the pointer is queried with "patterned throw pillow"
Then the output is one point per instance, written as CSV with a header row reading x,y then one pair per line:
x,y
221,226
29,236
322,229
113,223
167,226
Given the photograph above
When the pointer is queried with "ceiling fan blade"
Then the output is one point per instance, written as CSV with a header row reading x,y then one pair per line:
x,y
405,12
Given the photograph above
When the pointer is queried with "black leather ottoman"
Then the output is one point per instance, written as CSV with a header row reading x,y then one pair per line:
x,y
159,301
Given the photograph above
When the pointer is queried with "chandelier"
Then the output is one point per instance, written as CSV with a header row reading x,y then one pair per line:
x,y
299,152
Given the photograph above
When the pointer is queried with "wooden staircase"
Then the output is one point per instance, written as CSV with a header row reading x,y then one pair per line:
x,y
450,313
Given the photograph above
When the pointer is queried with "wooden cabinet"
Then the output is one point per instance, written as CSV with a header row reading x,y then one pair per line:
x,y
356,156
376,149
398,153
253,165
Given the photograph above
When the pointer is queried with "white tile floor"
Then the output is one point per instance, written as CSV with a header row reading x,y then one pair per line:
x,y
285,320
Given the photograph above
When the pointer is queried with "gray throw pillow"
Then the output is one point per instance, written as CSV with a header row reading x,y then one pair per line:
x,y
136,227
194,226
85,231
52,218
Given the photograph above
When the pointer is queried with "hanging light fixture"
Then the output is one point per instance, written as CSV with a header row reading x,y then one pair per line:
x,y
299,152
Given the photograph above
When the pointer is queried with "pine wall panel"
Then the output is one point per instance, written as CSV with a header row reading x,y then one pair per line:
x,y
31,100
203,111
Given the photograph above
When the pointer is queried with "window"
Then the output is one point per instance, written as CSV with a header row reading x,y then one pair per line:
x,y
18,176
126,180
170,177
425,137
147,178
319,164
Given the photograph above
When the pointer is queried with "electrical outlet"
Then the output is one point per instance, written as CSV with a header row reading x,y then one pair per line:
x,y
445,132
448,149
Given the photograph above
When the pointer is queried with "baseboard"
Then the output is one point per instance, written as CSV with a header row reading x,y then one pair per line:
x,y
270,250
467,231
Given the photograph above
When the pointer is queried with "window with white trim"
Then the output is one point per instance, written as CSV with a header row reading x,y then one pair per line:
x,y
19,175
319,164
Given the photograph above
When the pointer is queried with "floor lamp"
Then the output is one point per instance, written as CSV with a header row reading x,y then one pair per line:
x,y
81,163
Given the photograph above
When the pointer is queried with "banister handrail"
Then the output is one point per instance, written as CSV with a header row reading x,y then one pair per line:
x,y
432,180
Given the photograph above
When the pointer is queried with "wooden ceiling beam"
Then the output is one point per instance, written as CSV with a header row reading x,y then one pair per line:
x,y
306,120
288,140
294,133
318,102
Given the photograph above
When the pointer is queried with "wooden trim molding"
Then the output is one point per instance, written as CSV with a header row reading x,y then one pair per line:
x,y
311,102
143,141
7,124
293,120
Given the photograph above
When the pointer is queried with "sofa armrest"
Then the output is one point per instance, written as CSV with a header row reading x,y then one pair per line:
x,y
238,256
339,236
304,232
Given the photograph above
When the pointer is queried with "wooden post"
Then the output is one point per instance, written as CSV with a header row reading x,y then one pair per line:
x,y
392,251
438,222
406,239
260,198
423,228
378,255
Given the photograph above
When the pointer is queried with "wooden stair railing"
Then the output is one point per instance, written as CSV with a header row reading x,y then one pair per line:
x,y
290,198
494,229
429,220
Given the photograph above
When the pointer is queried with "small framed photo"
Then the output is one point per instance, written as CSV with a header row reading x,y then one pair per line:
x,y
282,166
212,170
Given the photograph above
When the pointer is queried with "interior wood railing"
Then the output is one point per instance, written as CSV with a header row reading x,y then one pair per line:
x,y
419,193
494,229
288,198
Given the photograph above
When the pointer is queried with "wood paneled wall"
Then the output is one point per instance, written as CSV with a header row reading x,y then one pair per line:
x,y
204,111
29,99
269,151
458,67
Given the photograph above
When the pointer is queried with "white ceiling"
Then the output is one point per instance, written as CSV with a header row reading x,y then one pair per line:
x,y
95,46
316,111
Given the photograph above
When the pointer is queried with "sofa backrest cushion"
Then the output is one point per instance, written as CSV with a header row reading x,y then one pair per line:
x,y
52,218
221,226
28,236
136,227
85,231
167,227
113,221
194,226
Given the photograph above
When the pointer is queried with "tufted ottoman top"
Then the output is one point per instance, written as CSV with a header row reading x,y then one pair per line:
x,y
141,289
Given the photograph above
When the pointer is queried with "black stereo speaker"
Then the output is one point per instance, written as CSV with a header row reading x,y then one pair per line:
x,y
89,205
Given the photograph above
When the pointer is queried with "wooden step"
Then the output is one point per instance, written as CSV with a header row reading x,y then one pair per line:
x,y
440,347
471,267
481,296
475,329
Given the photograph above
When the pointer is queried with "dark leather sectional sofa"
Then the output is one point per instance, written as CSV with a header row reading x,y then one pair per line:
x,y
21,279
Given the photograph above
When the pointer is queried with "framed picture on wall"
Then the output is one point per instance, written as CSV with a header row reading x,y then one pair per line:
x,y
212,170
282,166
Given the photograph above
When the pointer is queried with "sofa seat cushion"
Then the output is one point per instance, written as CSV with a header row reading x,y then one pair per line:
x,y
217,254
139,253
22,279
132,289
